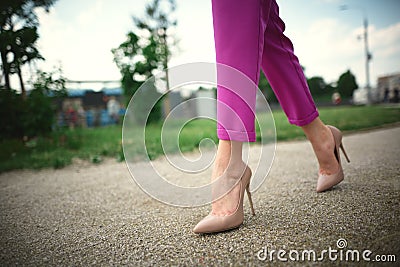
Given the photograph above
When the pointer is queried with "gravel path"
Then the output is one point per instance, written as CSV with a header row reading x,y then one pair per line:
x,y
96,215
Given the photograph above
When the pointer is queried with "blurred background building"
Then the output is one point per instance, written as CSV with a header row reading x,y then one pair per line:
x,y
388,88
90,108
87,107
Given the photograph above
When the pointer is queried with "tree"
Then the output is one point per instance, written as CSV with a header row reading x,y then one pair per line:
x,y
18,36
266,89
34,115
347,84
147,49
317,86
49,89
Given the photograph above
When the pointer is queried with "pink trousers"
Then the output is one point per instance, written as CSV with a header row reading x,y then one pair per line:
x,y
249,35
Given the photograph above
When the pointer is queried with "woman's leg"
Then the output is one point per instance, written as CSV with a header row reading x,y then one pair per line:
x,y
284,72
237,28
229,162
321,139
246,37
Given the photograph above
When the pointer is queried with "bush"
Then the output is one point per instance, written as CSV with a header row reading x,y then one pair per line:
x,y
28,117
40,116
33,115
60,162
12,113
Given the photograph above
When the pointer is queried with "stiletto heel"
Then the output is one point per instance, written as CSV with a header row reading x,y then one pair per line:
x,y
326,182
250,200
344,152
219,223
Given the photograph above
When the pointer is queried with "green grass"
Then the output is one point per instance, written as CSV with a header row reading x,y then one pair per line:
x,y
349,118
93,144
58,149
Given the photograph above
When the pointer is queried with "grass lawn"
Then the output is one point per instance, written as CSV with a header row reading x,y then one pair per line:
x,y
93,144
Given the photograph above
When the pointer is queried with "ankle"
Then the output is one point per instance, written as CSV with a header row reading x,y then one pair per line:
x,y
321,139
232,169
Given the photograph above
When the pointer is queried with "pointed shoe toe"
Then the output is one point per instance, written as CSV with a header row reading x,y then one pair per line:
x,y
214,224
200,227
326,182
220,223
204,226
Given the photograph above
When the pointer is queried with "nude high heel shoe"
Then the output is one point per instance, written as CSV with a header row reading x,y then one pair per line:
x,y
326,182
216,223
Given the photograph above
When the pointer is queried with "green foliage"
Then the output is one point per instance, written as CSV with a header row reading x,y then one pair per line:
x,y
145,50
141,108
52,83
347,84
317,86
56,150
320,90
12,112
18,35
40,116
23,47
96,159
60,162
72,140
346,118
34,115
266,89
48,89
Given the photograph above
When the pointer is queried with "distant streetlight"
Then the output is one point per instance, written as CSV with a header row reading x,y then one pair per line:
x,y
368,55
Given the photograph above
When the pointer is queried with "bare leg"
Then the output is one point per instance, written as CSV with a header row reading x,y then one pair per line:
x,y
323,144
229,163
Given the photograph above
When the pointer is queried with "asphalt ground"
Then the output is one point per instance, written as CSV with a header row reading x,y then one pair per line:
x,y
96,215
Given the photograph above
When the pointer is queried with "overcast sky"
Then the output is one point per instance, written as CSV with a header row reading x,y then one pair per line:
x,y
79,35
